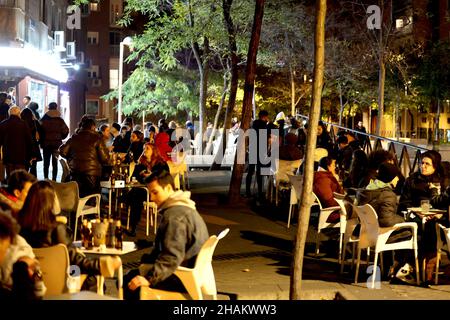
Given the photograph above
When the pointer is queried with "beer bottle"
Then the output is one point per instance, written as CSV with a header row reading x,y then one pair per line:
x,y
90,236
113,178
119,236
127,178
84,233
111,237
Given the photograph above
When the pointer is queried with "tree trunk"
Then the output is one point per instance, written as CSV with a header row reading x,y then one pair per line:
x,y
250,73
292,78
381,81
341,103
234,81
397,119
219,108
436,126
314,112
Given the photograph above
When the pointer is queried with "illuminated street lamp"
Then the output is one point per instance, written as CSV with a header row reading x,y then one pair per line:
x,y
126,42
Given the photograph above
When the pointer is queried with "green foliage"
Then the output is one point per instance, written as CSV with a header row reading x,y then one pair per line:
x,y
165,92
433,79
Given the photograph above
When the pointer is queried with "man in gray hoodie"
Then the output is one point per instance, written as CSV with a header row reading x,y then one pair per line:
x,y
180,236
55,131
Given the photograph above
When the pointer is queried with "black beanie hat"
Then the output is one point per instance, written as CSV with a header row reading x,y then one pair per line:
x,y
387,172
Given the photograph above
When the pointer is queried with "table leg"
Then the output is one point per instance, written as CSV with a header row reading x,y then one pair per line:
x,y
147,205
110,203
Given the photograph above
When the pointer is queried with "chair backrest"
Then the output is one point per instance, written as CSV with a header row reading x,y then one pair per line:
x,y
297,182
443,236
54,263
203,265
285,167
317,201
68,196
65,168
369,225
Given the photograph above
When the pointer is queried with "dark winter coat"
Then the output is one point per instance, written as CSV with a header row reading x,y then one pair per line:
x,y
384,201
179,238
54,128
15,137
416,188
58,234
86,153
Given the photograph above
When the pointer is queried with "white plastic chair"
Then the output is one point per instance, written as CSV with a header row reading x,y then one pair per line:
x,y
372,235
150,217
441,245
280,175
54,263
347,226
324,213
69,199
296,191
199,281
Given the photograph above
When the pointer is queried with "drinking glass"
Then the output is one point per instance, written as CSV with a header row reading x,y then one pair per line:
x,y
425,205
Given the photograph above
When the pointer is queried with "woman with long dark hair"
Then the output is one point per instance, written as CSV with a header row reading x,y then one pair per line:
x,y
39,227
36,132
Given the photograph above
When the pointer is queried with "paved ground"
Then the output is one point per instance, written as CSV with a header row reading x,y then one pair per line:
x,y
253,261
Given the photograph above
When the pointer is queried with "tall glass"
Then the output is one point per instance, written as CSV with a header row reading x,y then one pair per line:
x,y
425,206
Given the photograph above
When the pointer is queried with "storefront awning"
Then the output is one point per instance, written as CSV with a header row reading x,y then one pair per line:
x,y
33,60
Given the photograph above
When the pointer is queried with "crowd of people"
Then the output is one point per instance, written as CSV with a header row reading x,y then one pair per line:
x,y
30,212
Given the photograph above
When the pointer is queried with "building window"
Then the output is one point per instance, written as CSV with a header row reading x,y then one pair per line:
x,y
115,12
424,120
94,6
113,79
92,37
92,107
93,72
398,23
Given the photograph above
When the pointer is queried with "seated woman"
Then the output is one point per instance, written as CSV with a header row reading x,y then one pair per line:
x,y
148,161
381,196
39,227
419,186
325,183
136,146
19,270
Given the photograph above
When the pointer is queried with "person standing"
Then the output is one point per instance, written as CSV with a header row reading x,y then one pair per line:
x,y
361,137
26,102
54,131
86,154
261,130
36,132
33,106
15,138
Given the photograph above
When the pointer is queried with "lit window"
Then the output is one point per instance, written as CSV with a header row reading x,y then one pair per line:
x,y
93,72
93,6
113,79
399,23
92,37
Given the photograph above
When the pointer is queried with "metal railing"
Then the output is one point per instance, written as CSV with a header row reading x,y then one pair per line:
x,y
374,142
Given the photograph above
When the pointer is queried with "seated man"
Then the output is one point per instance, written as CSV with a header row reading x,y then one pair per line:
x,y
19,271
180,236
16,191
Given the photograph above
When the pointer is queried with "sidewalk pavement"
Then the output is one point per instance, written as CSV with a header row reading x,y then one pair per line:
x,y
253,262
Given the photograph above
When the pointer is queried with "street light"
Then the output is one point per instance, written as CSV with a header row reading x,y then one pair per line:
x,y
126,42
